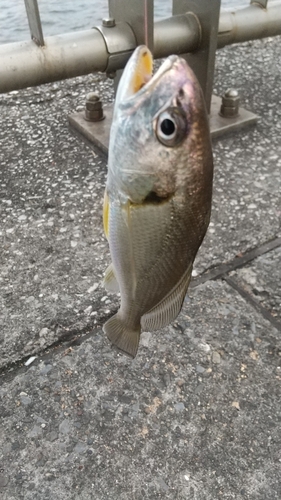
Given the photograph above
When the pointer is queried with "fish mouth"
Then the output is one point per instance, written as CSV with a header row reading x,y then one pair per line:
x,y
138,74
142,71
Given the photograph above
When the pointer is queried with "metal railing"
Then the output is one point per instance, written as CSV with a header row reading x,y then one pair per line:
x,y
196,30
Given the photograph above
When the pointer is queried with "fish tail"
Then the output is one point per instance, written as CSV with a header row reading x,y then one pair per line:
x,y
125,338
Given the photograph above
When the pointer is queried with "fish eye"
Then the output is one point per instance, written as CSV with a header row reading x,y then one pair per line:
x,y
168,127
171,127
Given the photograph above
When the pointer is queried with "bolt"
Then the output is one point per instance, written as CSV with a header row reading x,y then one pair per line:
x,y
230,104
231,93
108,22
93,111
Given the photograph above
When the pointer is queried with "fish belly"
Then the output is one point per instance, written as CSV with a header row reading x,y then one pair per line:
x,y
152,246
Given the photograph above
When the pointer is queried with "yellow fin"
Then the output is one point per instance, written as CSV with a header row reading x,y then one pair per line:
x,y
106,214
123,337
168,309
110,282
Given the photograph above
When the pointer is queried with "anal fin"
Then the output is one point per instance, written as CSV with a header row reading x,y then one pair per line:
x,y
123,337
110,282
169,307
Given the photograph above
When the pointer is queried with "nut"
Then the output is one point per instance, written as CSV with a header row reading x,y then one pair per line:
x,y
93,111
230,104
108,22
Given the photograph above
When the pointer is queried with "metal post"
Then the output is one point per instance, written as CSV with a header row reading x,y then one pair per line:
x,y
176,34
139,14
202,61
34,21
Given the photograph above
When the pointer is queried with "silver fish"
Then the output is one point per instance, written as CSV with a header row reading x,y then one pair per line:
x,y
158,193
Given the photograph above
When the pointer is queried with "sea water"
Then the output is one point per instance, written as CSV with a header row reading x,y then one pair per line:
x,y
64,16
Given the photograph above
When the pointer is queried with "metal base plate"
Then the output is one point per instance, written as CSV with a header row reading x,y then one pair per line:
x,y
98,132
95,132
220,126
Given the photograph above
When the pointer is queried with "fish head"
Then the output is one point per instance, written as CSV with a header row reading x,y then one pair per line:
x,y
160,141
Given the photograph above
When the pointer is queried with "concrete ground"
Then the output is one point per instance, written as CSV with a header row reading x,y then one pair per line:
x,y
197,414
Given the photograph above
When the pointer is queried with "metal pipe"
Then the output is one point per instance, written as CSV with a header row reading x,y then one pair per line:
x,y
249,23
24,64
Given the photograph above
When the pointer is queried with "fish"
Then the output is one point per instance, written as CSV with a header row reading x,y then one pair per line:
x,y
158,194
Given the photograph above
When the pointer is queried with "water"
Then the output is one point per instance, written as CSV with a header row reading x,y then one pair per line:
x,y
63,16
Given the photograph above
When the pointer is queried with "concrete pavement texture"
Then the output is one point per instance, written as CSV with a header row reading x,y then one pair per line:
x,y
197,414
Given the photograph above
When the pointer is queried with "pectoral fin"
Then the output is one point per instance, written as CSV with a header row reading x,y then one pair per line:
x,y
110,282
168,309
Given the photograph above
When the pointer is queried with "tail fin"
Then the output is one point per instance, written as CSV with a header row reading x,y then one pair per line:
x,y
120,335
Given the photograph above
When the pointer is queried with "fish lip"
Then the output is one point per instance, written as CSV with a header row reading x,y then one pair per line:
x,y
167,65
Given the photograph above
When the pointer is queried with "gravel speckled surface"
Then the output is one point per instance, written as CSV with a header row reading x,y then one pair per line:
x,y
197,414
191,415
262,279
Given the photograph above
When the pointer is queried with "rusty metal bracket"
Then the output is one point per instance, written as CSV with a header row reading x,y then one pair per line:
x,y
120,42
137,15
